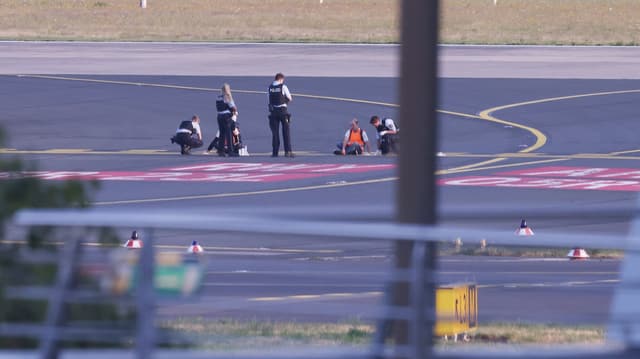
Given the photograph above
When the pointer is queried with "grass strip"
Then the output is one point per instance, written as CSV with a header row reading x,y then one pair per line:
x,y
566,22
523,252
524,333
234,334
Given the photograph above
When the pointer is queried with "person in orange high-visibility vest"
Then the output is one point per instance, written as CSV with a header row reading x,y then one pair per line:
x,y
355,141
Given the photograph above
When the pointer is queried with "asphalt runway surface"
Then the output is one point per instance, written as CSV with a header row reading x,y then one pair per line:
x,y
580,134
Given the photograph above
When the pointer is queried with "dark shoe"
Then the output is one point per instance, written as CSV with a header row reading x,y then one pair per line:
x,y
186,150
337,152
289,154
274,155
173,140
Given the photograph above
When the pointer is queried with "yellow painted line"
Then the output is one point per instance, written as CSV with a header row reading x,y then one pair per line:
x,y
375,294
67,150
113,82
606,156
71,151
624,152
144,152
316,296
297,153
208,89
239,194
303,297
476,168
460,114
470,167
549,284
541,139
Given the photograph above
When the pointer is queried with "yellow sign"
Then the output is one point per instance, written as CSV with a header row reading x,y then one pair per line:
x,y
456,309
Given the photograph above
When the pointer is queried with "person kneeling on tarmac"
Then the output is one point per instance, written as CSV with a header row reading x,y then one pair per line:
x,y
188,135
355,141
237,147
386,134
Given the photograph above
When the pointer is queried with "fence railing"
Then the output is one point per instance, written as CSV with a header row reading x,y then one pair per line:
x,y
624,330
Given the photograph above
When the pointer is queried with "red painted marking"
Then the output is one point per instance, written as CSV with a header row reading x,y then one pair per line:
x,y
170,176
545,183
581,172
282,167
213,172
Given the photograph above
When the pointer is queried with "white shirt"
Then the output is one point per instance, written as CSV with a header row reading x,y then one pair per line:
x,y
196,126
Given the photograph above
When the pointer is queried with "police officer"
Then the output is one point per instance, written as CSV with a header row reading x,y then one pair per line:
x,y
188,135
279,96
226,111
386,132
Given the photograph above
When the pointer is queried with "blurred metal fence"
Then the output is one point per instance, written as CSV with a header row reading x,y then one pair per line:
x,y
624,330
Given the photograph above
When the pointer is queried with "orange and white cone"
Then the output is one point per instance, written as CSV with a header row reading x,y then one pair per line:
x,y
134,242
524,230
195,248
578,253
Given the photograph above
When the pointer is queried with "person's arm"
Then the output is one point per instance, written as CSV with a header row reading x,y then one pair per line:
x,y
198,131
365,138
234,109
344,142
286,93
392,130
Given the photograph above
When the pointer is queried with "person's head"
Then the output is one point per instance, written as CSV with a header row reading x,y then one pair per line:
x,y
225,90
279,77
195,118
375,120
354,124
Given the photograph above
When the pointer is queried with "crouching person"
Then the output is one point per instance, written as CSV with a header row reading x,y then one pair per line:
x,y
355,141
386,134
223,148
238,146
188,135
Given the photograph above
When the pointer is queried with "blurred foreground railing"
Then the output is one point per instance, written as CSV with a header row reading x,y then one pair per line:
x,y
624,330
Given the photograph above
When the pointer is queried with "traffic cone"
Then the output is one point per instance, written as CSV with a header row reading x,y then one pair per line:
x,y
195,248
134,242
524,230
578,253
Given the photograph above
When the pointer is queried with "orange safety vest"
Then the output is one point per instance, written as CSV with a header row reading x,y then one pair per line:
x,y
356,137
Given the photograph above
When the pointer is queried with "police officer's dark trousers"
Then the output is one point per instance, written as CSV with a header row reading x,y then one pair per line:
x,y
226,125
280,116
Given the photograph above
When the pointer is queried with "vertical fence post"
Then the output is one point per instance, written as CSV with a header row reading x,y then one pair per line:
x,y
416,196
56,309
422,300
145,304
